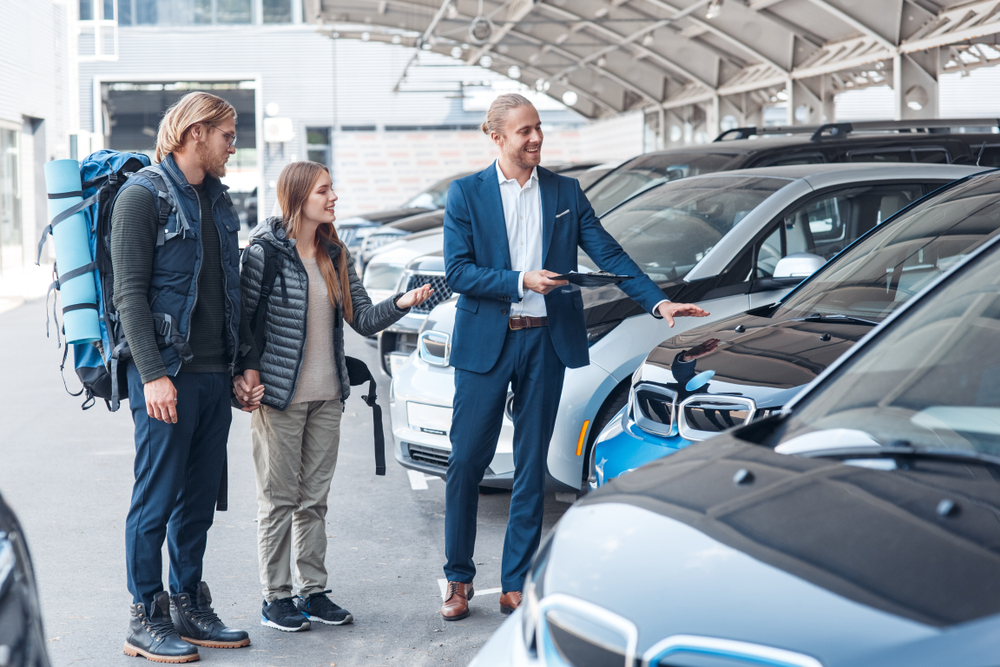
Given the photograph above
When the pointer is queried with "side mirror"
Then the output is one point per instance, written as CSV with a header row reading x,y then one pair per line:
x,y
798,265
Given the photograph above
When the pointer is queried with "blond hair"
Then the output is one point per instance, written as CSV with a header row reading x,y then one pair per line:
x,y
496,117
192,109
295,183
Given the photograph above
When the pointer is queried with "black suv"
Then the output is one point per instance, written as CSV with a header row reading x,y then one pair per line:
x,y
954,141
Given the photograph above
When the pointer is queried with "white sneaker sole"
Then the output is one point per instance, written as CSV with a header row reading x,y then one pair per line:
x,y
349,619
272,624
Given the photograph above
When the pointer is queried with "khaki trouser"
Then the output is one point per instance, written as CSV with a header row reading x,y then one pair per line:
x,y
294,455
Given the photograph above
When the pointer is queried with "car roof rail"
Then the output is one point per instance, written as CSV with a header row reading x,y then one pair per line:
x,y
843,129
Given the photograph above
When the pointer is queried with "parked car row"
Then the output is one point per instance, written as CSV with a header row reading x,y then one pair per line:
x,y
855,525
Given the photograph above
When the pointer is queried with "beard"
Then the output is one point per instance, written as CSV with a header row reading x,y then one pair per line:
x,y
214,165
520,156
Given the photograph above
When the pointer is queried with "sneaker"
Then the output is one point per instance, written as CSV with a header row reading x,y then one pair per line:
x,y
152,635
318,607
282,615
198,623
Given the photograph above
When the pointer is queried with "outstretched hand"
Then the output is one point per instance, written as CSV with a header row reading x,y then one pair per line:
x,y
669,310
414,297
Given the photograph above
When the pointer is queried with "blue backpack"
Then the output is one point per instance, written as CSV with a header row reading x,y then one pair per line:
x,y
100,366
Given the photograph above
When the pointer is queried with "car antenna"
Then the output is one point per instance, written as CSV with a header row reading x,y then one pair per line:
x,y
980,156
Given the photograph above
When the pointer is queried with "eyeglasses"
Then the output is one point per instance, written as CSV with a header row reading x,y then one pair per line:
x,y
232,141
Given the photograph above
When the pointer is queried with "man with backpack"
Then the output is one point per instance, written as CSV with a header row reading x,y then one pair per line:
x,y
177,291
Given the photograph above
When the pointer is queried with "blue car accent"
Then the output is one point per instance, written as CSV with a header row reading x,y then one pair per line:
x,y
622,446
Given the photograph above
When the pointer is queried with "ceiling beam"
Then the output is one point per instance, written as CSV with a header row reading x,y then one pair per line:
x,y
853,22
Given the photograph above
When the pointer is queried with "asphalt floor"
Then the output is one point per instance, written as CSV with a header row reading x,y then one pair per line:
x,y
68,475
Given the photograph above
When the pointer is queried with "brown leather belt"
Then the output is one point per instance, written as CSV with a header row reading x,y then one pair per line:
x,y
516,323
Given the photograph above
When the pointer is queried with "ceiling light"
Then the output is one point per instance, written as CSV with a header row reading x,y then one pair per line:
x,y
541,85
714,9
569,98
514,72
486,61
602,61
456,52
648,39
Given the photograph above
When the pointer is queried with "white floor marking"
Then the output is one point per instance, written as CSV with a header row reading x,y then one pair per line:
x,y
443,585
418,480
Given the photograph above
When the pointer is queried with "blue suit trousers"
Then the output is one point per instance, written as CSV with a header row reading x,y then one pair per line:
x,y
529,363
178,470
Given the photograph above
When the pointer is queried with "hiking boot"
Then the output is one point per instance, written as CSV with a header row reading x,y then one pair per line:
x,y
281,614
318,607
198,623
152,635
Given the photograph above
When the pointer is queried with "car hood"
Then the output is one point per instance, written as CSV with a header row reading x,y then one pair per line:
x,y
847,564
752,355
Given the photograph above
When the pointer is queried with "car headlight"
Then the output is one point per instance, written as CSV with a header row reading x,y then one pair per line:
x,y
598,331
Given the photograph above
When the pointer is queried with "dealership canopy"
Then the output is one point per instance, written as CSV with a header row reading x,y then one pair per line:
x,y
699,59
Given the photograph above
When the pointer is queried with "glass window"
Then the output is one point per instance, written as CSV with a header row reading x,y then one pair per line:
x,y
669,229
932,381
146,12
109,10
277,11
124,12
826,225
933,154
801,158
11,252
645,172
876,276
87,10
233,11
318,145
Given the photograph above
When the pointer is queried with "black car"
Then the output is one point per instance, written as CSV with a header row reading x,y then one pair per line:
x,y
955,141
22,641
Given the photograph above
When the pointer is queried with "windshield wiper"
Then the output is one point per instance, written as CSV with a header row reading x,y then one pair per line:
x,y
816,317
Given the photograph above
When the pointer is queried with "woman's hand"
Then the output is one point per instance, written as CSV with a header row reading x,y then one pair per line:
x,y
248,390
414,297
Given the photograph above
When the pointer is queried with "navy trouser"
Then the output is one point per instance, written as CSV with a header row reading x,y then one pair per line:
x,y
530,364
178,470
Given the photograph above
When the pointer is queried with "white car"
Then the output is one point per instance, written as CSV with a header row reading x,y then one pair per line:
x,y
728,241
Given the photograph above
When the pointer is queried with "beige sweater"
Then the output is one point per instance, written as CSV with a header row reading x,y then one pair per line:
x,y
318,377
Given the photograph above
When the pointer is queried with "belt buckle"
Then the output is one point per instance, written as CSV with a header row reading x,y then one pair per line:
x,y
516,323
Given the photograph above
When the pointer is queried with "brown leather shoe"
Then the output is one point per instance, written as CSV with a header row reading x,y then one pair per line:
x,y
509,602
456,601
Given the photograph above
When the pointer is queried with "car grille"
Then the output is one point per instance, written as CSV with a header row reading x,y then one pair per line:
x,y
376,240
579,651
431,455
347,235
653,408
442,291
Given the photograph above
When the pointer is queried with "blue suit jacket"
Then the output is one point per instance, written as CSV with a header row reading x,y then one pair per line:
x,y
477,261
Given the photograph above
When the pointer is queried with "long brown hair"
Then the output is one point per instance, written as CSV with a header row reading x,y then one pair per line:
x,y
295,184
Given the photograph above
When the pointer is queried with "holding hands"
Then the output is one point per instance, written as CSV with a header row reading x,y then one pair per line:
x,y
248,390
414,297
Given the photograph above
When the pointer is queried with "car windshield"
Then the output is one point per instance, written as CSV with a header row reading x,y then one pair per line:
x,y
881,272
648,171
931,381
382,276
433,197
669,229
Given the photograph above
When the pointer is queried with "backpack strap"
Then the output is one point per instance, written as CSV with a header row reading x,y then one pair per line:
x,y
165,205
358,373
258,318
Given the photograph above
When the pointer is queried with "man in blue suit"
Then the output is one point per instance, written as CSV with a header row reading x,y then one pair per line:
x,y
508,232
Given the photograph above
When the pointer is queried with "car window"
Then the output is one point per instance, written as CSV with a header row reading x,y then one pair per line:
x,y
433,197
930,154
648,171
877,275
826,224
932,381
669,229
787,160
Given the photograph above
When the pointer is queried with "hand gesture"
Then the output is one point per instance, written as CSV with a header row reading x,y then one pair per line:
x,y
414,297
669,310
161,399
541,281
700,350
248,390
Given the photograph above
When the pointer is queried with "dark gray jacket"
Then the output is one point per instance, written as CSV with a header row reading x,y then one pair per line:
x,y
288,305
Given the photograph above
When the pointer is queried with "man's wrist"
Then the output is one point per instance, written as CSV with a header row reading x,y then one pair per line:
x,y
656,308
520,285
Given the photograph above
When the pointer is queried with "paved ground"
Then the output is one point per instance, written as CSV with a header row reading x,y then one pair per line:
x,y
68,474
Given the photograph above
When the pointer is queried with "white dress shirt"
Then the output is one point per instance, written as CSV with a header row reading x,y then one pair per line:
x,y
522,213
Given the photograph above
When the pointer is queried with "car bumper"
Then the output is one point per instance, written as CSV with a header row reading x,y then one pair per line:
x,y
622,447
421,423
506,647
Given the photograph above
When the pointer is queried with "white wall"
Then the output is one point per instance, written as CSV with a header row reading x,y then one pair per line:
x,y
613,139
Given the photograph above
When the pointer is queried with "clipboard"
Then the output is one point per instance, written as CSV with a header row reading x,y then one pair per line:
x,y
597,279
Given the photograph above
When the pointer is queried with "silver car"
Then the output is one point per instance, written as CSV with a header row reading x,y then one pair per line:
x,y
728,241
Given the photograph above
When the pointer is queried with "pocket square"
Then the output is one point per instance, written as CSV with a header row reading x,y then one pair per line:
x,y
563,213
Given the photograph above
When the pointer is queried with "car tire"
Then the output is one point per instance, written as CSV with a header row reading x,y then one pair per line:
x,y
612,404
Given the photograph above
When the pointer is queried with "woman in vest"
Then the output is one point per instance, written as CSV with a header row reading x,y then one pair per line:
x,y
296,431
